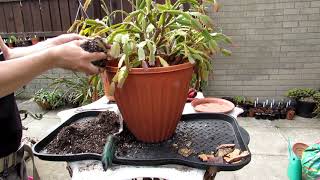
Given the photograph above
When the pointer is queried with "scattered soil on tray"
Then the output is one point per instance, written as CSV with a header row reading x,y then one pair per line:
x,y
129,146
86,136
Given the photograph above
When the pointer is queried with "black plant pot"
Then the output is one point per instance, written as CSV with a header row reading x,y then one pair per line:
x,y
283,115
271,116
245,113
257,116
305,109
263,116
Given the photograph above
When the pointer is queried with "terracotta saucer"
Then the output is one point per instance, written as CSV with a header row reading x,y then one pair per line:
x,y
298,149
213,105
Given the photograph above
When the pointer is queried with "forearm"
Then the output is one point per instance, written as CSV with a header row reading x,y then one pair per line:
x,y
18,72
23,51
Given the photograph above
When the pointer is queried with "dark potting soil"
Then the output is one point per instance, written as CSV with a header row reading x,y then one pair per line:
x,y
87,136
130,147
93,45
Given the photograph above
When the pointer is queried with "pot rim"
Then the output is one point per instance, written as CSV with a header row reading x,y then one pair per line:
x,y
153,70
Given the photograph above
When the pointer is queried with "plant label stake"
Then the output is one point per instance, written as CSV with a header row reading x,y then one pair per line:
x,y
109,147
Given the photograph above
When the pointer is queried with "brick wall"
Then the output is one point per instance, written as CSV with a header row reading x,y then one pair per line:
x,y
42,82
276,47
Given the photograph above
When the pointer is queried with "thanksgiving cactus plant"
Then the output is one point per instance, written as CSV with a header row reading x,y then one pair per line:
x,y
152,55
155,35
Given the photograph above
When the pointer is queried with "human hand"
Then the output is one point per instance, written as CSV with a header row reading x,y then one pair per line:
x,y
5,49
71,56
64,38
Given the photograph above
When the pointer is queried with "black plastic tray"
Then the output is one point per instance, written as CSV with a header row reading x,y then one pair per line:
x,y
206,131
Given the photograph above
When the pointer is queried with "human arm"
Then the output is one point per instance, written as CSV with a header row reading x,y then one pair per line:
x,y
18,72
23,51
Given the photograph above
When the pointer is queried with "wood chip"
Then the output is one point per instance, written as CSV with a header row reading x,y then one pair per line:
x,y
234,153
203,157
237,158
226,146
223,151
185,152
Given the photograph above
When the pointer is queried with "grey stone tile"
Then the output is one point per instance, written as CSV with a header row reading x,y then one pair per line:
x,y
298,122
49,170
305,135
251,122
264,167
266,141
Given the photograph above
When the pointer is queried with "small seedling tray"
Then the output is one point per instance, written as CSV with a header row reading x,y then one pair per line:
x,y
205,131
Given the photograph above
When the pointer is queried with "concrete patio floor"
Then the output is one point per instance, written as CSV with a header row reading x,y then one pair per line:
x,y
268,145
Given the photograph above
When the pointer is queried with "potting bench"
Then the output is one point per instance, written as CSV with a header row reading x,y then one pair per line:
x,y
92,169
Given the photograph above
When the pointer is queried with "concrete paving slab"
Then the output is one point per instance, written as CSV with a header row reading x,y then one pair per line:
x,y
31,106
298,122
49,170
264,167
40,128
305,135
266,141
251,122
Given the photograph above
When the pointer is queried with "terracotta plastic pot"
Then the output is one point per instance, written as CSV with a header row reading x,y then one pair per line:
x,y
34,41
106,84
152,100
290,114
298,149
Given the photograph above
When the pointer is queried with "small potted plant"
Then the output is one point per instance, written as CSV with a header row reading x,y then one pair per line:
x,y
305,102
316,97
35,39
154,52
11,41
49,100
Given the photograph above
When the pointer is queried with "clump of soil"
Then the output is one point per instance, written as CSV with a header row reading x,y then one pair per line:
x,y
96,45
85,137
92,45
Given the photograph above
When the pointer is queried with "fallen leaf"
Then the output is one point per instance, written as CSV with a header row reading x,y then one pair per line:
x,y
185,152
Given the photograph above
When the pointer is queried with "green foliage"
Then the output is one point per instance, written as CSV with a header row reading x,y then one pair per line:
x,y
299,93
239,100
316,97
156,35
12,39
49,99
79,90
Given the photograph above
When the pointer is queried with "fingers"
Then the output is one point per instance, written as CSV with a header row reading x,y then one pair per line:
x,y
4,48
73,36
96,56
91,69
1,43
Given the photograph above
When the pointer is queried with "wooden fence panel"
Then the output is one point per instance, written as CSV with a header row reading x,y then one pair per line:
x,y
65,14
3,26
96,9
27,17
73,8
45,14
9,18
18,18
49,17
36,16
55,15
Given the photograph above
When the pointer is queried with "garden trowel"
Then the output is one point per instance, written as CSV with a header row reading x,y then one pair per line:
x,y
109,147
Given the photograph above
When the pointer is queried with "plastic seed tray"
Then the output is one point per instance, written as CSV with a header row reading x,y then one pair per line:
x,y
200,132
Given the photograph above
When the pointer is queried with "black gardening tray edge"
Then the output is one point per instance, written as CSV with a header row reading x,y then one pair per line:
x,y
222,167
94,156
